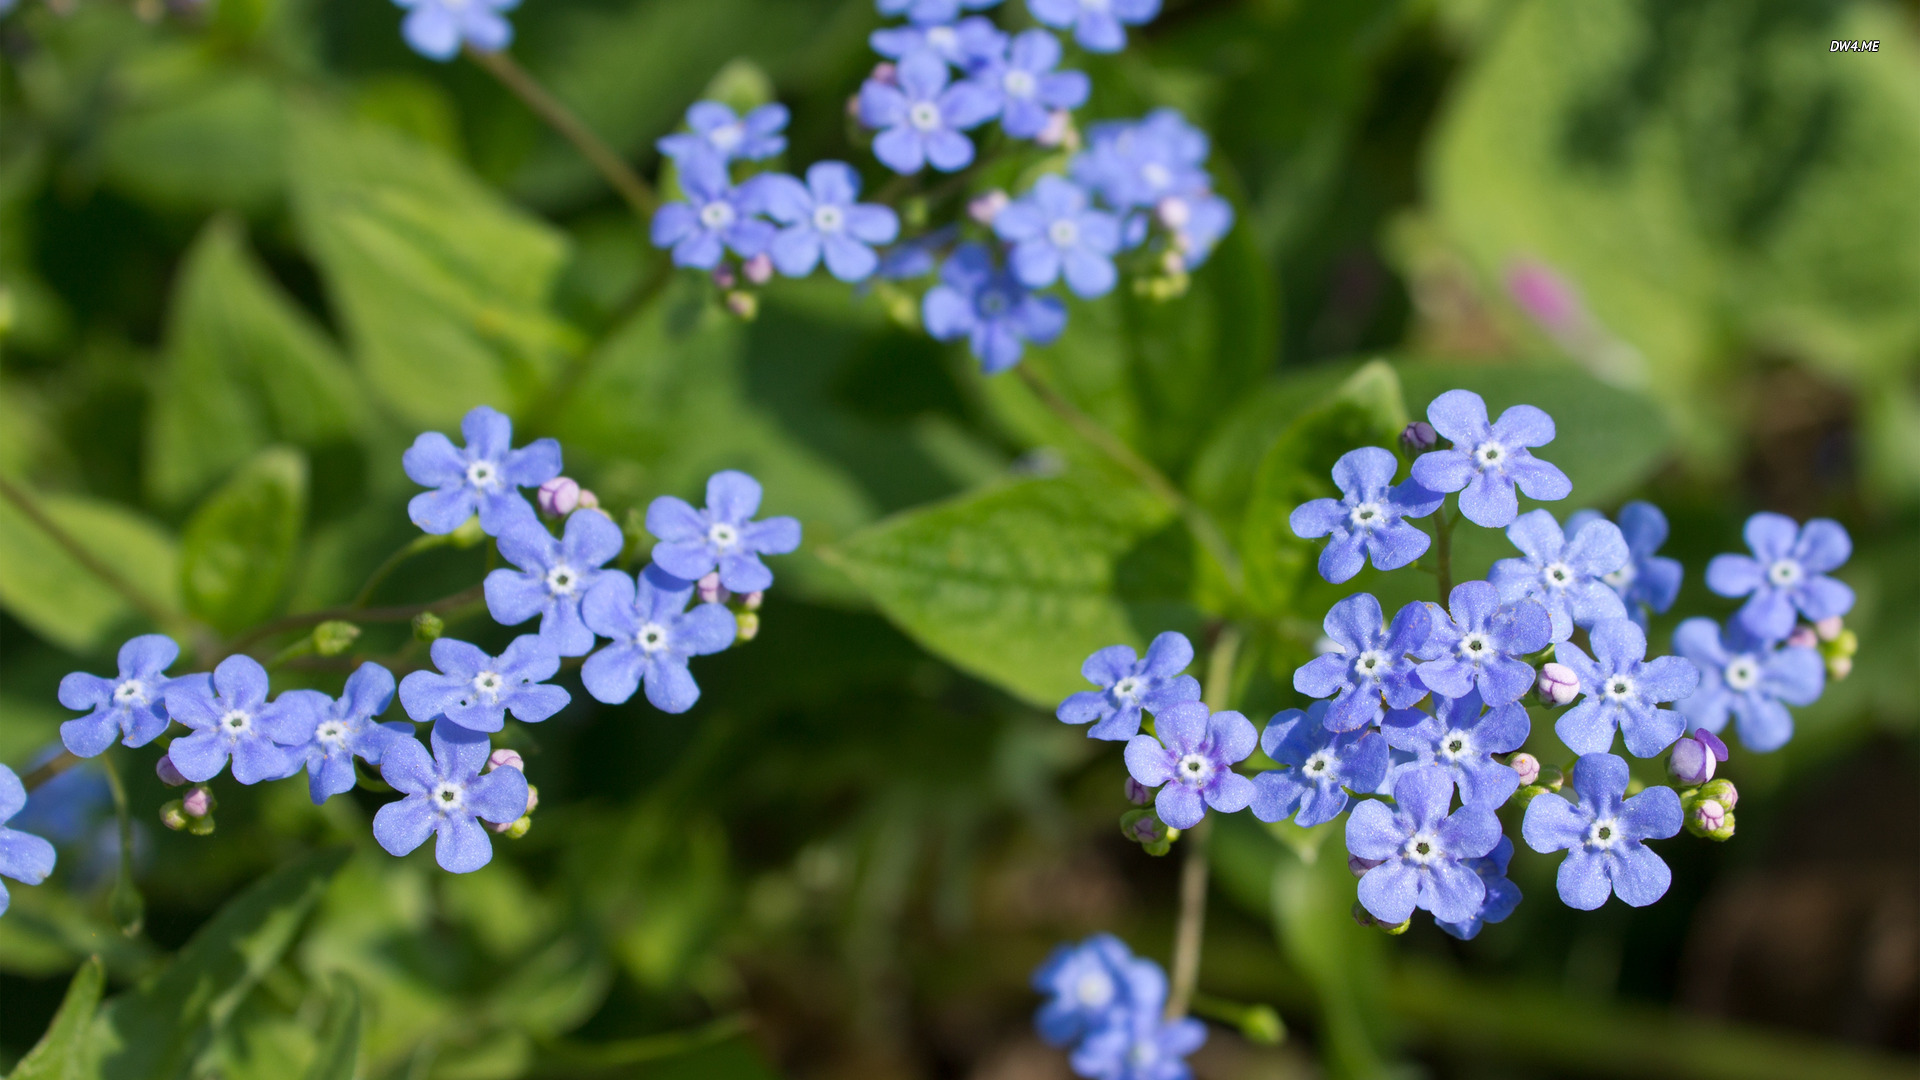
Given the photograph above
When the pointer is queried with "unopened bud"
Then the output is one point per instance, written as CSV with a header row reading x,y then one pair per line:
x,y
169,775
985,207
1145,828
1059,130
1398,928
710,590
558,497
1720,791
759,269
1172,263
1262,1026
1359,866
519,828
1803,637
428,627
533,799
1174,212
469,534
724,278
1138,793
1709,815
1695,756
749,625
1419,437
1845,643
1829,627
744,305
588,500
173,816
199,802
754,599
1839,667
1526,765
335,636
1551,778
885,73
504,758
1558,684
1362,916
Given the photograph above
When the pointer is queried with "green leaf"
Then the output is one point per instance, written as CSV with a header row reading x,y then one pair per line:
x,y
338,1054
156,1031
59,599
61,1053
193,136
237,550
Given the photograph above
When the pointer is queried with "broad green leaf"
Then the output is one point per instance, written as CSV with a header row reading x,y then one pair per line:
x,y
337,1055
61,1053
237,549
55,595
192,135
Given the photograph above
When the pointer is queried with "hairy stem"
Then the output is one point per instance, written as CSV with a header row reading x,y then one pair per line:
x,y
154,611
557,116
1190,929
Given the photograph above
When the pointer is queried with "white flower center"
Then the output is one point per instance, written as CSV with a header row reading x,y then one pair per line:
x,y
651,636
1367,515
1785,572
828,219
727,136
1455,745
1194,770
1475,648
1557,575
1622,577
1370,664
333,733
1319,765
562,580
942,39
1064,233
1603,833
1616,688
1156,175
1490,455
1742,673
1094,989
1096,5
488,685
1018,83
236,722
483,475
1128,689
717,215
131,692
448,797
924,115
1421,848
722,535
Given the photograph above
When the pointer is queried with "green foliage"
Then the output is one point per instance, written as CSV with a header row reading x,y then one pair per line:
x,y
237,550
337,1055
49,590
61,1054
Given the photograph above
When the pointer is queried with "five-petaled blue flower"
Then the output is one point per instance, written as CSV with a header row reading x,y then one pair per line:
x,y
484,477
1130,683
1460,739
24,857
1370,661
1096,24
1502,895
1602,835
922,116
1194,758
1623,690
132,706
1321,765
1198,220
821,217
1648,581
1477,645
990,308
1567,576
716,216
927,12
1487,460
1140,1044
719,133
1141,162
1787,571
1087,984
1753,678
1420,850
652,635
445,792
475,691
230,717
554,576
327,734
1366,521
1030,90
437,28
1053,231
968,45
693,543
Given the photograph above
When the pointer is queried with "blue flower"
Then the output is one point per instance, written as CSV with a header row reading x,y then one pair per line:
x,y
1030,90
66,807
917,257
553,577
923,116
1134,163
720,134
1129,684
23,857
1193,757
1198,220
1096,24
1623,690
968,45
230,717
1140,1044
133,705
926,12
1646,581
1567,576
1478,645
1370,660
444,793
436,28
327,734
1487,460
652,636
1421,850
694,542
822,218
475,691
1088,984
716,216
485,477
1502,895
1322,764
1053,231
1788,570
1367,519
1602,835
990,308
1459,739
1753,678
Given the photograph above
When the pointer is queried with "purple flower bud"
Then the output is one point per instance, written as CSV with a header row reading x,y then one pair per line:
x,y
1691,762
1558,684
1359,866
724,277
1138,793
198,802
1546,296
710,590
759,269
1527,766
1419,437
1709,815
1829,627
886,73
985,207
558,497
753,600
504,758
1803,637
169,775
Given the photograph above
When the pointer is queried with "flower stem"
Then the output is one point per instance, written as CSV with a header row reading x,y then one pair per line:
x,y
1190,930
61,762
397,613
128,907
544,105
1443,551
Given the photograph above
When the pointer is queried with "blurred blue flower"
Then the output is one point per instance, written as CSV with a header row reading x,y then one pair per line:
x,y
66,807
1369,662
925,12
1087,984
24,857
1753,678
445,792
230,717
1194,757
1096,24
1420,851
652,636
1197,219
1322,764
922,117
437,28
968,45
327,734
1128,684
990,308
132,705
1477,646
1138,163
476,691
1648,581
693,543
1366,521
716,216
1602,835
1460,739
1567,576
1623,690
1487,460
823,218
724,136
1054,232
1787,571
484,477
1502,895
553,577
1031,91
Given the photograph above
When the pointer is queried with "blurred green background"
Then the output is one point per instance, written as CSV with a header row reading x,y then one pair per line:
x,y
249,249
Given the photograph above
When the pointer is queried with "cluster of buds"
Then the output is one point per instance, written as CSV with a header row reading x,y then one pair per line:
x,y
1145,828
1709,809
1695,756
741,302
1535,779
192,812
1836,643
710,591
562,495
1418,438
510,759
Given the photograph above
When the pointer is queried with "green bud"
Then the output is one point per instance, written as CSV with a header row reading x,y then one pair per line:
x,y
1398,928
1551,778
200,826
1362,916
520,828
1262,1026
1527,794
468,534
173,815
428,627
1721,791
749,625
335,636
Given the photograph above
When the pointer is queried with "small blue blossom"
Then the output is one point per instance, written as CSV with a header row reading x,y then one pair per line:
x,y
1087,984
484,477
1369,661
1623,690
1566,575
1367,520
1031,91
1420,850
928,12
990,308
1197,219
24,857
1487,460
437,28
1502,895
132,706
969,45
724,136
1787,571
716,216
1460,739
230,717
1753,678
327,734
1602,835
917,257
693,543
1138,163
1476,646
1193,756
553,577
1128,684
1140,1044
67,807
476,691
922,116
652,635
822,218
1321,766
1098,25
1053,231
1648,581
445,793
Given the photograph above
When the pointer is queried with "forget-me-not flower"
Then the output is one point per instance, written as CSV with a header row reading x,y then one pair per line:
x,y
1476,646
476,691
1137,163
693,543
1460,739
720,133
1031,91
968,45
1140,1044
822,218
437,28
990,308
1420,850
1367,520
1602,835
1753,678
1787,571
327,734
1502,895
1198,220
484,477
230,717
716,216
1194,757
132,707
1567,576
1623,690
1321,765
1088,983
1369,662
1648,581
928,12
921,116
1487,460
24,857
1098,25
445,792
1129,683
652,635
554,576
1055,232
67,807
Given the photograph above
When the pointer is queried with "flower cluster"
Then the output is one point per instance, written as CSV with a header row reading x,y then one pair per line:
x,y
1107,1004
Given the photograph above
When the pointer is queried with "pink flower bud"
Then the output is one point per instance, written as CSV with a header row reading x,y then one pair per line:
x,y
1058,131
724,277
710,590
759,269
588,500
504,758
1709,815
1174,212
984,207
1527,766
169,775
1546,296
1829,627
887,73
198,802
1558,684
1691,762
1138,793
533,800
753,600
1803,637
558,496
1839,667
1360,866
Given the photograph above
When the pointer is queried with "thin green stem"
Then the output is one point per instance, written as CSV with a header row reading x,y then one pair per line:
x,y
1189,930
1443,552
618,175
418,544
126,904
155,612
64,760
398,613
